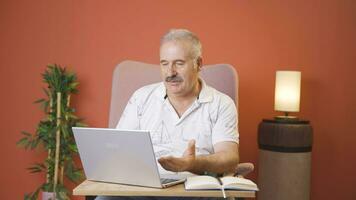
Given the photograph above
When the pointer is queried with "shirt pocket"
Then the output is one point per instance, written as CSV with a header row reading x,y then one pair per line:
x,y
201,133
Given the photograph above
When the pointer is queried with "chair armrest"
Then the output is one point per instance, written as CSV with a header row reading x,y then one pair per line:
x,y
243,169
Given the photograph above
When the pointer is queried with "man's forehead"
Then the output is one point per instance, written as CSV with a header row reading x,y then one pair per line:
x,y
175,50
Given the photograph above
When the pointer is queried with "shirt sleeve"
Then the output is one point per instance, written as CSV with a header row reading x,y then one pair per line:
x,y
225,128
130,117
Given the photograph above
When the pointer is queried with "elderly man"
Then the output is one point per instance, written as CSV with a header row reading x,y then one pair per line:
x,y
193,126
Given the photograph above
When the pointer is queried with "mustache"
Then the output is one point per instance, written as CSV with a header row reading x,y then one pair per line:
x,y
174,78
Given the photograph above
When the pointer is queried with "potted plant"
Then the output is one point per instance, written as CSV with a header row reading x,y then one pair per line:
x,y
54,134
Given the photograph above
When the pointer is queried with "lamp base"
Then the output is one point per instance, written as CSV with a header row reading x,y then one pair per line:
x,y
286,118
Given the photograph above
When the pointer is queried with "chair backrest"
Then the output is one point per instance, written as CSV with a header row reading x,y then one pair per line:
x,y
130,75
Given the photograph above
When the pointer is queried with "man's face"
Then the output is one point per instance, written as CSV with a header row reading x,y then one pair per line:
x,y
178,70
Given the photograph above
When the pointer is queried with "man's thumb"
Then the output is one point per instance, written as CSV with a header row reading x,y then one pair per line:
x,y
191,147
191,144
190,150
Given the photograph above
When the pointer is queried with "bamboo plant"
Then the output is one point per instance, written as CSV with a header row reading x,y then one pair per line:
x,y
55,134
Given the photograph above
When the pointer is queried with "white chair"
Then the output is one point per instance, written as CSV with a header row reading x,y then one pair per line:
x,y
130,75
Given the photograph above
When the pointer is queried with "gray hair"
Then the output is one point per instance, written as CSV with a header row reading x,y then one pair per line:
x,y
184,35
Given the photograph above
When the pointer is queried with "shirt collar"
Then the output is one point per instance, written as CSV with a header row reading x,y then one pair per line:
x,y
161,92
205,94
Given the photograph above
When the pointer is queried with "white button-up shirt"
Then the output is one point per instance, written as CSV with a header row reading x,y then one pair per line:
x,y
211,118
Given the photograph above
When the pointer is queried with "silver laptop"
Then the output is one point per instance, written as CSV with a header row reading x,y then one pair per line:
x,y
121,156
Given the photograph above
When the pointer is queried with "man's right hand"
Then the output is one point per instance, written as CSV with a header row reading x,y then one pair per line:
x,y
184,163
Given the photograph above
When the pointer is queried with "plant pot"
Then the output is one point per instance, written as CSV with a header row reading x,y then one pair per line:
x,y
48,196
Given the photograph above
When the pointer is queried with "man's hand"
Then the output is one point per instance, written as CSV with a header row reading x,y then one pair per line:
x,y
184,163
225,159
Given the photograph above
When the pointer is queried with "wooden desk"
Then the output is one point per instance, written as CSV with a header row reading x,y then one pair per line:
x,y
92,188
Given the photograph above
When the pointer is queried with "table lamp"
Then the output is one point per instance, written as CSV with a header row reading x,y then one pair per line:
x,y
287,94
285,145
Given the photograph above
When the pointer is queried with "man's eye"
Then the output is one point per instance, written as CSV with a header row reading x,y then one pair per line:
x,y
180,63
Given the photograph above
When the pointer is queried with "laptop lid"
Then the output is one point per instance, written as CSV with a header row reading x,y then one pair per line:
x,y
117,156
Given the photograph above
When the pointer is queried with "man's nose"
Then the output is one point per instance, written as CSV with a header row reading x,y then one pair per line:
x,y
172,69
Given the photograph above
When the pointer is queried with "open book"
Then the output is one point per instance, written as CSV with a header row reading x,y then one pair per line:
x,y
223,183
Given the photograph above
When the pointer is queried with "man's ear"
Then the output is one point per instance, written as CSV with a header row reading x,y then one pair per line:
x,y
199,63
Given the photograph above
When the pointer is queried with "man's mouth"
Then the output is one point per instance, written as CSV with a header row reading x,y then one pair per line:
x,y
173,79
173,83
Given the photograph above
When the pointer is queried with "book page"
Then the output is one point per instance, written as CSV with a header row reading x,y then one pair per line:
x,y
202,182
231,182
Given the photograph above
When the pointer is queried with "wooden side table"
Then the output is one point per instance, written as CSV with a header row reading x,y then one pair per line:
x,y
284,159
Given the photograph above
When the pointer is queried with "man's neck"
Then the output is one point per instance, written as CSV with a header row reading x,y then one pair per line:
x,y
182,102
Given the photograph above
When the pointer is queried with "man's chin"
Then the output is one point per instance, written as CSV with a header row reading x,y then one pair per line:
x,y
173,87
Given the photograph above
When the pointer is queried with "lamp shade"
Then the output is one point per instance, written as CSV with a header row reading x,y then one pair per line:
x,y
287,91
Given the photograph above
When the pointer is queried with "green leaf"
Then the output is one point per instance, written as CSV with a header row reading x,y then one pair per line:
x,y
48,187
22,141
45,91
37,168
74,85
27,197
27,146
34,144
73,147
39,100
73,173
44,106
72,116
32,196
26,141
61,192
79,124
26,133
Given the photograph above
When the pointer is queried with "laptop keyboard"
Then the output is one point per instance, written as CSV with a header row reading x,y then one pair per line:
x,y
167,180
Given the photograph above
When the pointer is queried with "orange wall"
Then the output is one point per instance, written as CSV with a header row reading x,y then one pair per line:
x,y
257,37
